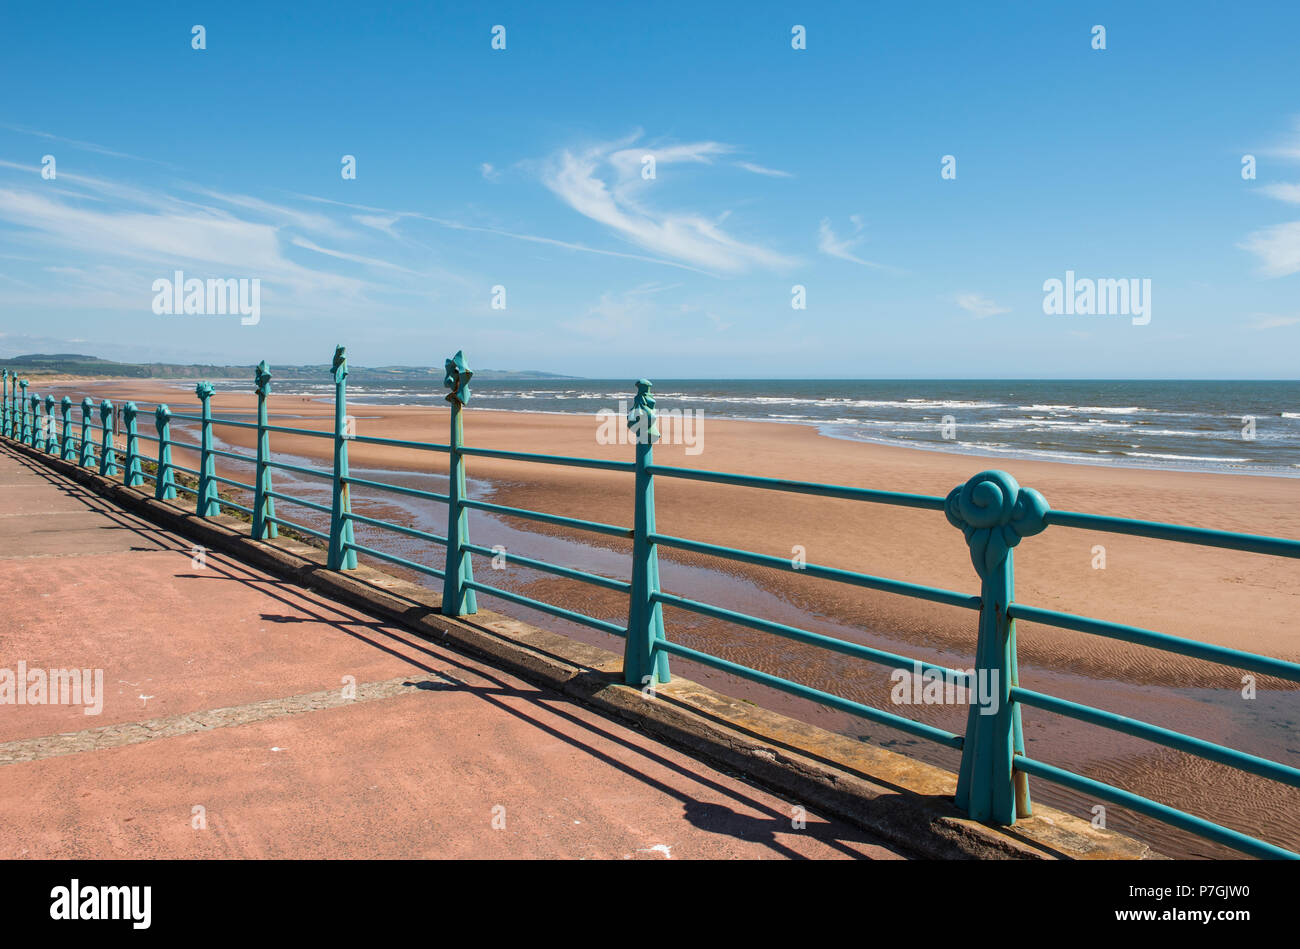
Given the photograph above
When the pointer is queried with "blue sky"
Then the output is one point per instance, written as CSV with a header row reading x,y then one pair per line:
x,y
522,168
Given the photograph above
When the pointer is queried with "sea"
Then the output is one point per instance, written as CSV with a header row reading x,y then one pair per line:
x,y
1249,427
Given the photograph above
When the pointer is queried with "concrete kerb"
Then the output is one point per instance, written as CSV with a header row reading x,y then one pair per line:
x,y
904,801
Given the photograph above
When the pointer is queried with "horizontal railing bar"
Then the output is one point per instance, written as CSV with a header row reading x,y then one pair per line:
x,y
1204,536
230,454
1190,822
559,611
384,555
400,489
934,594
1163,736
409,531
299,431
566,460
813,639
298,527
224,503
233,483
926,501
329,475
324,508
611,529
190,446
1149,637
187,490
920,729
399,443
192,471
596,579
216,420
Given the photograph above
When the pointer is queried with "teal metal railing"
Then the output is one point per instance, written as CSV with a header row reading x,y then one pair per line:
x,y
991,510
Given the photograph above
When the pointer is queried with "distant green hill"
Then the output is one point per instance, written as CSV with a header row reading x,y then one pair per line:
x,y
73,364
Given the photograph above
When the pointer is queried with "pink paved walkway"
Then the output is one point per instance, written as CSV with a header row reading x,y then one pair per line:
x,y
225,730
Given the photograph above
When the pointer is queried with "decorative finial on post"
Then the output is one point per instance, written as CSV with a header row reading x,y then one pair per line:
x,y
131,475
25,435
262,379
341,555
642,419
995,514
49,425
457,379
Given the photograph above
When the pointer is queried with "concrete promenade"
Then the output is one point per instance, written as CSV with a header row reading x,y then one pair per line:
x,y
243,716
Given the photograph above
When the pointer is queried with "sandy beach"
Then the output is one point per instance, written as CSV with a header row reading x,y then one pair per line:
x,y
1230,598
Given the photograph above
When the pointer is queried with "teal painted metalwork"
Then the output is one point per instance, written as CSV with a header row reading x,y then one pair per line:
x,y
25,435
164,485
49,422
643,662
341,555
38,427
65,444
995,514
5,428
132,475
992,510
206,504
108,454
458,598
264,525
87,443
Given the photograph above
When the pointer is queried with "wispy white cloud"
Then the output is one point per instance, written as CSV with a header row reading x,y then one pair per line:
x,y
1267,322
1277,247
604,183
761,170
488,172
979,306
831,245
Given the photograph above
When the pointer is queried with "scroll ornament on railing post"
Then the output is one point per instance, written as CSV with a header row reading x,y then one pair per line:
x,y
25,434
457,598
264,525
164,487
131,475
341,556
108,455
206,504
38,430
642,665
995,514
65,442
87,443
50,431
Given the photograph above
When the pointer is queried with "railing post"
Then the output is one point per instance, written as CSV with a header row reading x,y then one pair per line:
x,y
65,437
50,442
6,429
457,598
995,514
264,525
206,504
87,443
25,433
341,555
164,488
645,622
108,454
37,431
131,475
